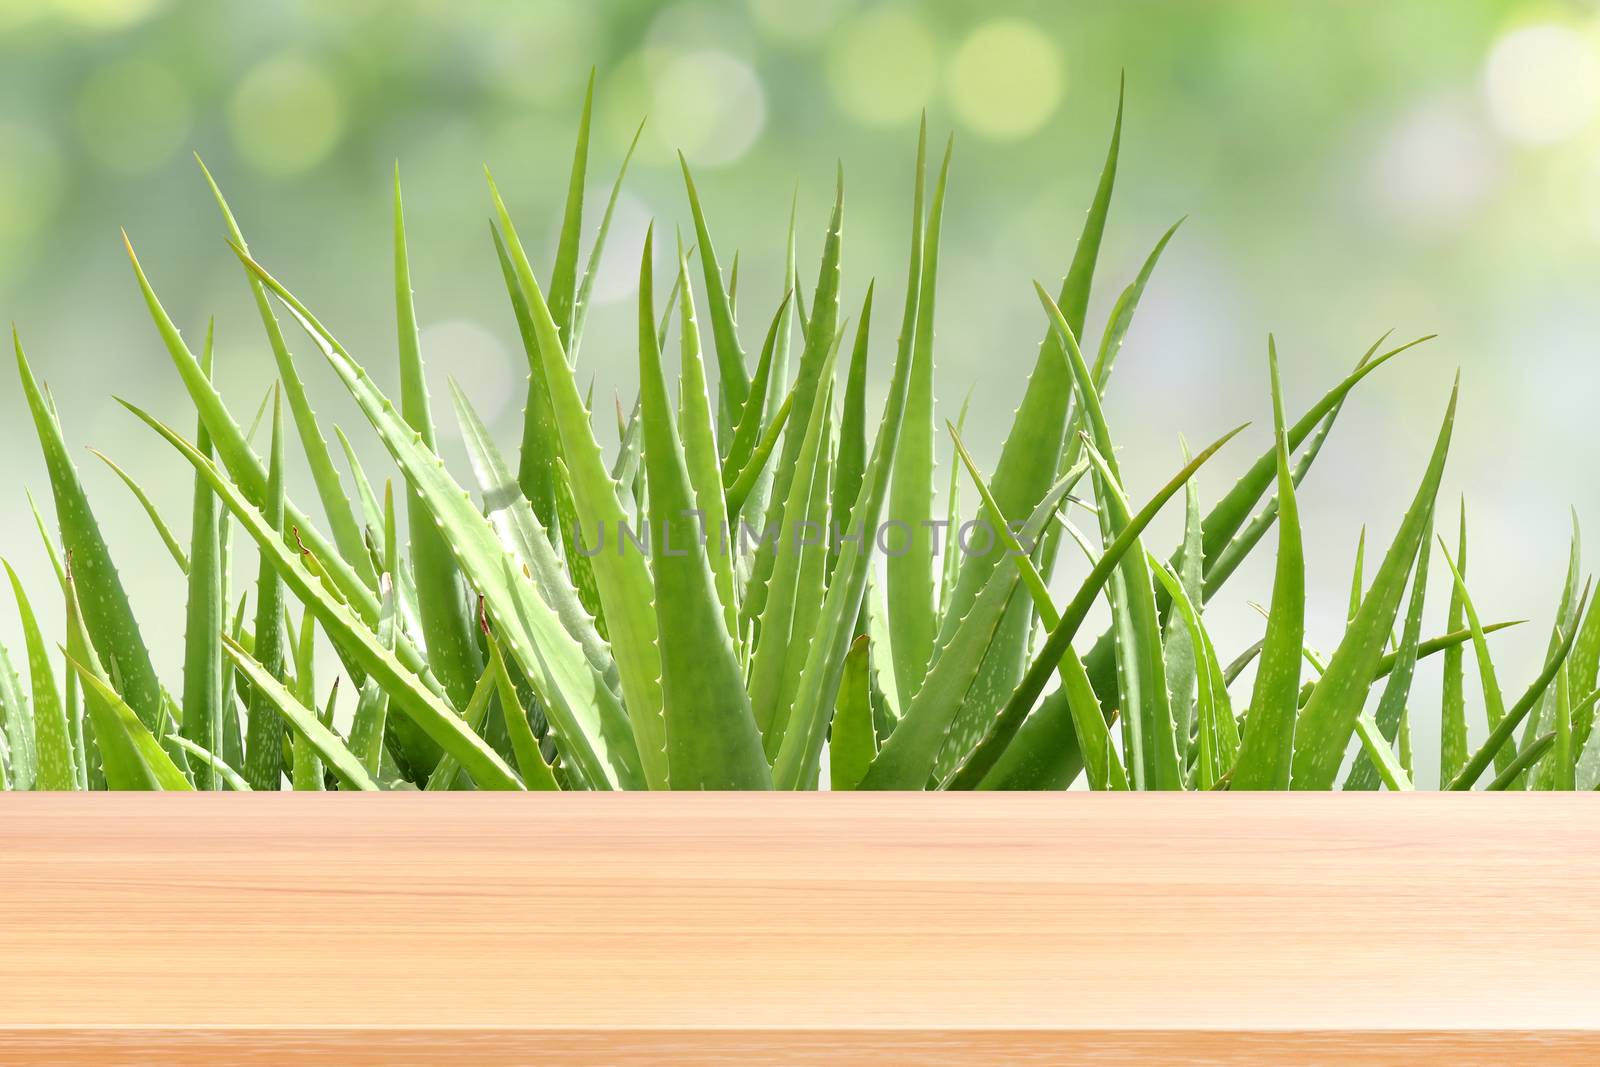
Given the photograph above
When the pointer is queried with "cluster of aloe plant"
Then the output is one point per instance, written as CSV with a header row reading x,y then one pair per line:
x,y
515,646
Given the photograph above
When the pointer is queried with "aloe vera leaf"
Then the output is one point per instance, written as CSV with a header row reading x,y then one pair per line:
x,y
204,615
1328,718
1044,753
247,470
1452,702
1543,718
406,688
174,549
1356,583
1117,325
1561,772
330,490
850,466
577,552
886,703
366,496
733,375
564,274
232,729
305,767
1429,647
1229,536
809,388
1030,461
1378,750
225,774
112,628
699,447
711,736
371,716
520,533
1266,750
1001,733
307,723
1216,732
1494,706
446,775
1182,666
800,756
626,464
1122,312
811,546
1586,774
263,762
1584,668
136,767
1249,534
1364,773
909,566
1074,299
130,754
80,740
19,751
51,752
441,598
1153,755
1229,519
586,711
536,773
16,771
1089,724
1140,635
782,639
1500,736
540,442
753,424
625,587
741,490
80,647
580,310
950,560
372,704
776,384
852,741
908,757
1527,760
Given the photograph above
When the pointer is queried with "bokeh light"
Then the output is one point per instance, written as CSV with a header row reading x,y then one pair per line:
x,y
540,52
133,115
883,66
797,22
1006,79
1542,82
463,351
709,105
1436,165
30,179
107,14
286,116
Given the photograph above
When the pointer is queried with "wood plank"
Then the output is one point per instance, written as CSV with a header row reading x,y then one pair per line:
x,y
710,929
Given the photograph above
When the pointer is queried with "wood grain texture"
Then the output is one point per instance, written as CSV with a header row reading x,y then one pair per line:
x,y
706,929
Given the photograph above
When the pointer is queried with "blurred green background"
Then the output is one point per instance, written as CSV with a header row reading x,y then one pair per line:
x,y
1345,168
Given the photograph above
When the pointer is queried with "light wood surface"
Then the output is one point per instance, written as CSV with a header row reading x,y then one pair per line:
x,y
930,929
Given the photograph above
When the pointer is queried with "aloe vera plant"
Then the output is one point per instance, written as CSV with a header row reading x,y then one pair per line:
x,y
760,588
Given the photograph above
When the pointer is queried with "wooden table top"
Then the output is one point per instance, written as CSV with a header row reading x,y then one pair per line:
x,y
706,929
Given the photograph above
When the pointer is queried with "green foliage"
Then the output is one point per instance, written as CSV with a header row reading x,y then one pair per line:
x,y
748,594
